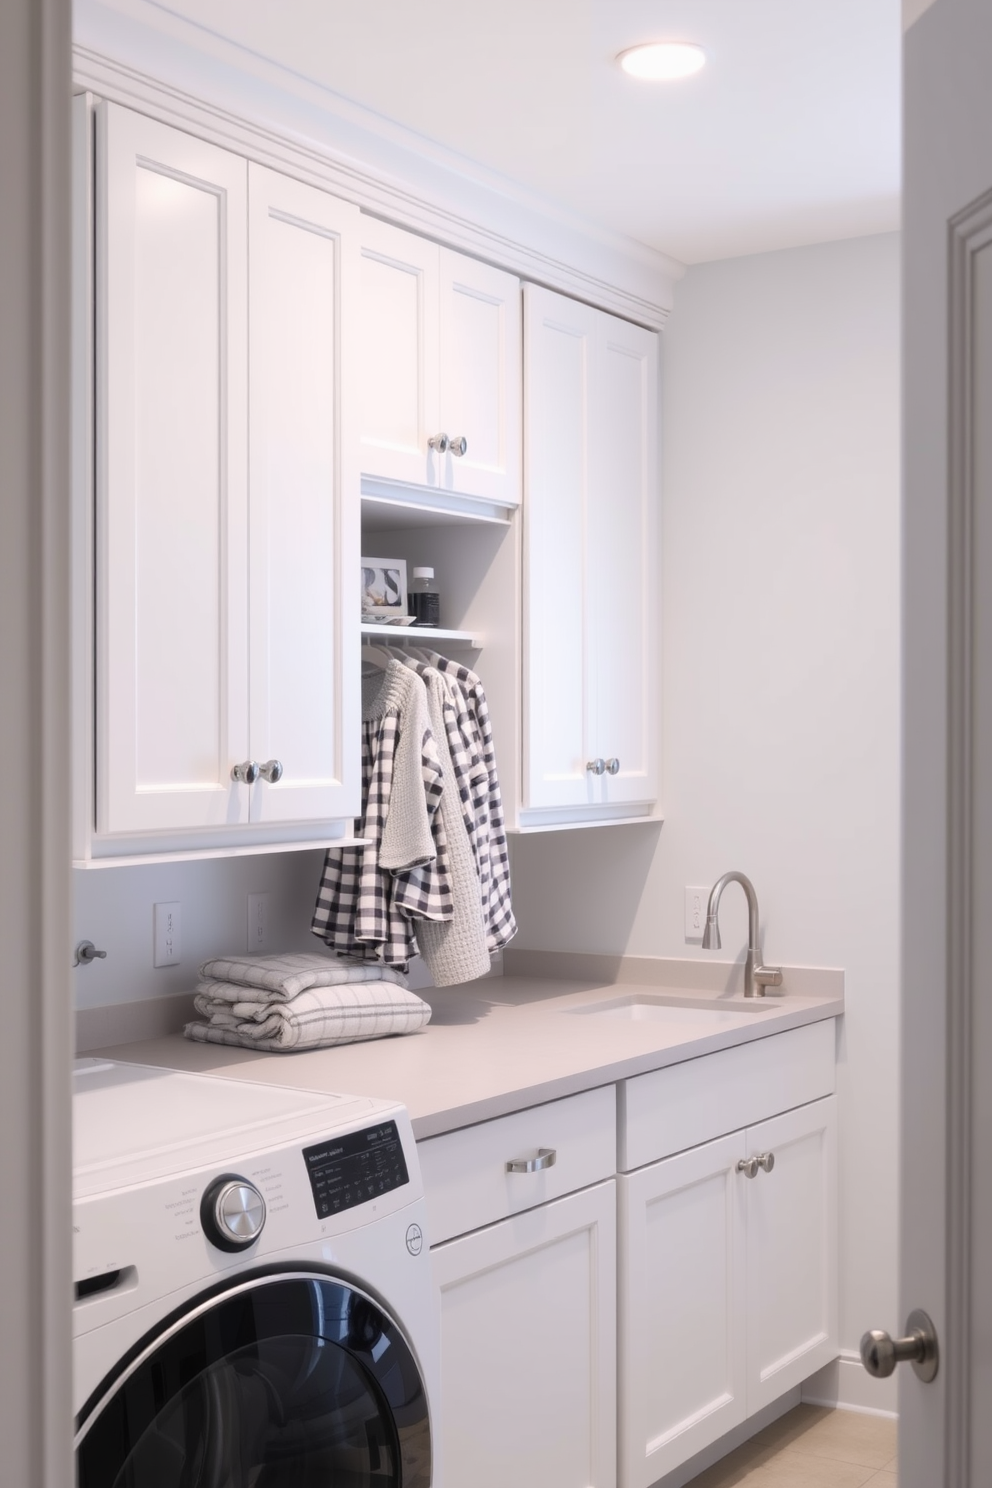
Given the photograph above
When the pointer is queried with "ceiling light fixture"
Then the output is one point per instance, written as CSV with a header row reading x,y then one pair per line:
x,y
663,61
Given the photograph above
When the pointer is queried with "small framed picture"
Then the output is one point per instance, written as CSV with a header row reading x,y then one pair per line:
x,y
383,588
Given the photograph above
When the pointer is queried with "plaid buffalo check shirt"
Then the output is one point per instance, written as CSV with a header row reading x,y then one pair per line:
x,y
371,897
484,811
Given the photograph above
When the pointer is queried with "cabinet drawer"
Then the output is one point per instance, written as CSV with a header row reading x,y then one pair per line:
x,y
676,1108
465,1176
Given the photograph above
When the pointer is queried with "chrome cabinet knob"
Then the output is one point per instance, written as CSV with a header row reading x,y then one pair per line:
x,y
596,766
766,1161
880,1352
613,766
458,445
748,1166
439,443
246,773
271,771
546,1158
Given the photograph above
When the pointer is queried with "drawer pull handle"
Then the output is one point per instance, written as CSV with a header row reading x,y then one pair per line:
x,y
546,1158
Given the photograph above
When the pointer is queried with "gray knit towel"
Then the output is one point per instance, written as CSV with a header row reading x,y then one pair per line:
x,y
278,978
315,1019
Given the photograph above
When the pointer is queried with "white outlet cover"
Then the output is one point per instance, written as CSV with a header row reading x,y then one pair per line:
x,y
696,899
258,923
168,934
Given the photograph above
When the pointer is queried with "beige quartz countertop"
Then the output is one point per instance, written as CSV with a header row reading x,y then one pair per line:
x,y
505,1043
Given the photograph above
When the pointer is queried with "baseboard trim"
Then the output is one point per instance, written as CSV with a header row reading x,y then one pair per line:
x,y
845,1385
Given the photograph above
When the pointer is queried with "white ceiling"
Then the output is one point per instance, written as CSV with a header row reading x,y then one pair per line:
x,y
790,134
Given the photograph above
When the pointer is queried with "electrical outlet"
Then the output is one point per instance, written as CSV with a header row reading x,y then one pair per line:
x,y
258,922
696,900
168,934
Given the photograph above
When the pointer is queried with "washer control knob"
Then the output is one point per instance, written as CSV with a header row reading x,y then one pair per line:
x,y
232,1212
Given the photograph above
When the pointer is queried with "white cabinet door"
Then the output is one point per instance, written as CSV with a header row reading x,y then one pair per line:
x,y
590,559
559,339
172,642
481,375
682,1377
528,1358
622,560
303,480
792,1251
399,351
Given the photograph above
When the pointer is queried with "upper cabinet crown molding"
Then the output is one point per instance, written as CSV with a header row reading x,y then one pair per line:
x,y
256,108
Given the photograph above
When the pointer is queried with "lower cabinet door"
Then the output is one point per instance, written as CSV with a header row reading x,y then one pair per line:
x,y
682,1376
792,1251
528,1352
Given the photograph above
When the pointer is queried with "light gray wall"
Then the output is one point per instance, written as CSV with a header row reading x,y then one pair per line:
x,y
780,574
113,907
35,1178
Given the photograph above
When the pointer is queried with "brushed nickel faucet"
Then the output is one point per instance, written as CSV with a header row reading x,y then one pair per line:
x,y
756,975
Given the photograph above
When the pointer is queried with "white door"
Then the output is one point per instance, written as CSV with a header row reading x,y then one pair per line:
x,y
304,500
682,1316
946,1191
172,354
559,352
528,1355
399,355
481,377
791,1225
621,580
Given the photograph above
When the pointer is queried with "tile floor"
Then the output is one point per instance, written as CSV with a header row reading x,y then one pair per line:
x,y
811,1447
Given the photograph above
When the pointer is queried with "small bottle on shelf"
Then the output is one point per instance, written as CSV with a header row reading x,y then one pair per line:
x,y
424,600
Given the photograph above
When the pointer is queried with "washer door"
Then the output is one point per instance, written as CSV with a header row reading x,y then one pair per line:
x,y
288,1380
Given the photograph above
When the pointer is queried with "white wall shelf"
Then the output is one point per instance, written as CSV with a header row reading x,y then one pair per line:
x,y
420,635
392,504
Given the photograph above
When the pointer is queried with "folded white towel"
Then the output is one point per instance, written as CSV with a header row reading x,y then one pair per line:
x,y
313,1019
277,978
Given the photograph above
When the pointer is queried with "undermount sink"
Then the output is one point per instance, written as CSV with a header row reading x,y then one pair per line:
x,y
636,1007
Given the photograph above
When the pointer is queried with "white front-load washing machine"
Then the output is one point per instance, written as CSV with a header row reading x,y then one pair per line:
x,y
254,1305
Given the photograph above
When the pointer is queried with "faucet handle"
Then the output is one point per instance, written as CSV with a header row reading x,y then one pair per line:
x,y
768,976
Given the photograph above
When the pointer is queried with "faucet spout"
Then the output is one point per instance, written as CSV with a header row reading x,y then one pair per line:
x,y
757,976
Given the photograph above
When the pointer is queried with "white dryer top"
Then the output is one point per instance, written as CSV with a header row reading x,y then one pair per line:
x,y
133,1123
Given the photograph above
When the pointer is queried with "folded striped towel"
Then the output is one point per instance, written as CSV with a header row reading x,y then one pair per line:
x,y
313,1019
278,978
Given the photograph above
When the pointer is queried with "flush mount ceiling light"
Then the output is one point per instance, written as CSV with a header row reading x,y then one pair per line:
x,y
663,61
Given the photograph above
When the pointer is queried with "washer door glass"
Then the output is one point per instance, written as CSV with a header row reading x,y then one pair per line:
x,y
281,1382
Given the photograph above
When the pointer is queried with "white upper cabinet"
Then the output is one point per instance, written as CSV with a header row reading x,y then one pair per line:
x,y
589,564
226,588
303,482
441,357
172,481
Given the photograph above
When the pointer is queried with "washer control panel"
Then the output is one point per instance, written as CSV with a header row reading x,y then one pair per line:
x,y
353,1169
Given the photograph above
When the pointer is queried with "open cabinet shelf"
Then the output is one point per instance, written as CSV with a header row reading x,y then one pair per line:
x,y
422,635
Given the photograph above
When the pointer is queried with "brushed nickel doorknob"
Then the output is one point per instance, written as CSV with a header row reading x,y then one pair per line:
x,y
748,1166
439,443
613,766
596,766
271,771
458,445
246,773
880,1352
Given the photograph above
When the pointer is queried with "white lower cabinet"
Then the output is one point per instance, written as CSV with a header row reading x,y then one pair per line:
x,y
727,1291
528,1353
592,1322
682,1304
525,1209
